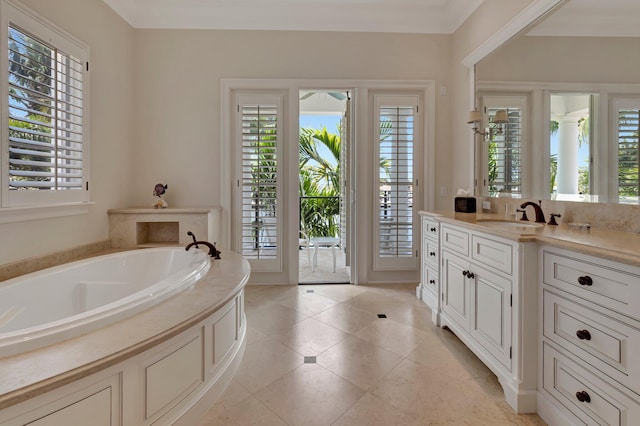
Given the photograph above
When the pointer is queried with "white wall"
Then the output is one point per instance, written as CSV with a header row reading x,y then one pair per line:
x,y
111,42
565,59
178,87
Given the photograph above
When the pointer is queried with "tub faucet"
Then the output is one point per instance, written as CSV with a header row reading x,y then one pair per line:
x,y
537,208
213,251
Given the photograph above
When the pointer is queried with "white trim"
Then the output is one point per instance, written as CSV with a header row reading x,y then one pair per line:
x,y
531,14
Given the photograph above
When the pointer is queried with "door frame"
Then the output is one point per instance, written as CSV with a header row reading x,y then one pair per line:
x,y
362,261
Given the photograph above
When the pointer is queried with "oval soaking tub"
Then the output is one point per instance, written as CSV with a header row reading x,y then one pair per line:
x,y
66,301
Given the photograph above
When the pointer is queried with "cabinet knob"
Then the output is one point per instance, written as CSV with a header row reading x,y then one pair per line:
x,y
432,253
432,282
583,334
585,280
465,273
583,396
433,229
470,275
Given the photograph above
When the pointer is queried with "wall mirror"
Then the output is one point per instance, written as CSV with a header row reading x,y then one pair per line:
x,y
570,86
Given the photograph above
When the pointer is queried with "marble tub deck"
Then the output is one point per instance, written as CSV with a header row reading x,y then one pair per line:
x,y
398,370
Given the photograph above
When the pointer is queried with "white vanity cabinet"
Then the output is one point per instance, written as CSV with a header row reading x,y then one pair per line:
x,y
590,339
488,298
429,265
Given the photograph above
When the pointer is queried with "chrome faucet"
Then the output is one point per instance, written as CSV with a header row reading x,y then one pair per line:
x,y
213,251
537,208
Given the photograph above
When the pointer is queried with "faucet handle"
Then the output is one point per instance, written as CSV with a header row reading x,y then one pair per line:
x,y
552,221
524,214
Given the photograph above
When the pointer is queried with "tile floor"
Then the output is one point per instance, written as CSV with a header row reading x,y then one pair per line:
x,y
399,370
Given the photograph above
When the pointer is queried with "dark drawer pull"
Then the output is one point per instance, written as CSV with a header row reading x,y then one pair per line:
x,y
432,282
583,334
471,275
583,396
465,273
432,253
434,229
586,280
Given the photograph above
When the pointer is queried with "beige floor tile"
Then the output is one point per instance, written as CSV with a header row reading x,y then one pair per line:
x,y
394,336
359,361
310,337
309,303
249,411
411,314
273,318
371,411
341,292
373,302
265,362
254,335
346,317
428,392
261,294
310,395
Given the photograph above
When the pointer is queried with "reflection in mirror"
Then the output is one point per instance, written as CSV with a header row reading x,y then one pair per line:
x,y
502,146
585,52
570,144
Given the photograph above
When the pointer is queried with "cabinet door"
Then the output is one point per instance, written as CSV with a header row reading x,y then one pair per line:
x,y
455,288
491,313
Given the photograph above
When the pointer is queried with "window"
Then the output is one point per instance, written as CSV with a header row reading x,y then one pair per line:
x,y
396,134
259,135
627,116
503,147
44,132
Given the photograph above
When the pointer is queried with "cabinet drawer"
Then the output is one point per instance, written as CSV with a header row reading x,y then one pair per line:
x,y
430,228
455,240
431,282
431,252
492,253
608,286
608,344
585,394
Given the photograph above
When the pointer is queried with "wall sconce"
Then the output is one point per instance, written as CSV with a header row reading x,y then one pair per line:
x,y
475,118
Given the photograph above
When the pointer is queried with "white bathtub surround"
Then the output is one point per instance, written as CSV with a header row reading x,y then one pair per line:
x,y
81,296
27,266
198,334
148,227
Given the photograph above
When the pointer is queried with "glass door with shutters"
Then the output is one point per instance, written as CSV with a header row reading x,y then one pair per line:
x,y
259,135
396,133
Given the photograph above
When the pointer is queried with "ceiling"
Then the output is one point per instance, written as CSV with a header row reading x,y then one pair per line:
x,y
596,18
398,16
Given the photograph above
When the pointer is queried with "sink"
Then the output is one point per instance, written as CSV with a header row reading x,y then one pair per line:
x,y
510,226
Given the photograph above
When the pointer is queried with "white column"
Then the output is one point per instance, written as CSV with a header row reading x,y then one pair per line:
x,y
567,176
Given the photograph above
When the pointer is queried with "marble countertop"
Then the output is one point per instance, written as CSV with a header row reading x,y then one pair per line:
x,y
168,210
612,245
26,375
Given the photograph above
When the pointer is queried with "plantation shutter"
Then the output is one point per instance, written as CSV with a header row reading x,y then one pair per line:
x,y
260,132
396,132
628,154
45,116
505,151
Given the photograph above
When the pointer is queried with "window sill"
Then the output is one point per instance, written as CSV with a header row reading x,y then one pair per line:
x,y
26,213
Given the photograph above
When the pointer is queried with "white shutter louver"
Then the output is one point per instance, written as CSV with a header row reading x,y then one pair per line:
x,y
396,146
260,134
505,152
45,115
628,155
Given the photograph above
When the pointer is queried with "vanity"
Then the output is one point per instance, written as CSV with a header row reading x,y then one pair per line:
x,y
554,312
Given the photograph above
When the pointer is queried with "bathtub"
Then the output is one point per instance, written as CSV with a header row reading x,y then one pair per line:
x,y
59,303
